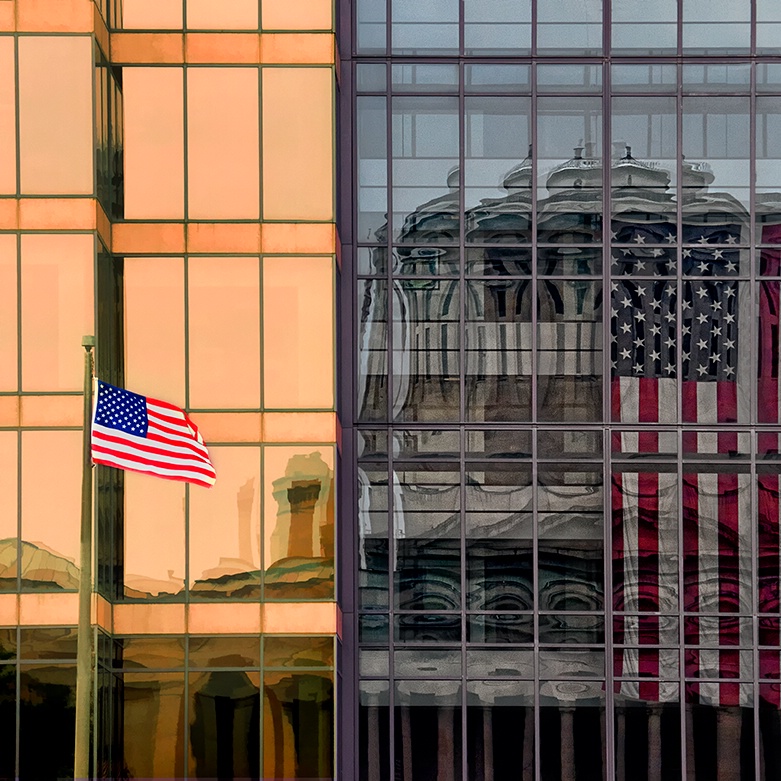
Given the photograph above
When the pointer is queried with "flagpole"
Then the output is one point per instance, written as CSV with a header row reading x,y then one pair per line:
x,y
84,647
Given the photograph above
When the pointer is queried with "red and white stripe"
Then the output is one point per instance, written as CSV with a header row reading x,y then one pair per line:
x,y
173,447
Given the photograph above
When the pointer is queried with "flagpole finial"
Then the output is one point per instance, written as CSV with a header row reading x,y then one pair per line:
x,y
87,341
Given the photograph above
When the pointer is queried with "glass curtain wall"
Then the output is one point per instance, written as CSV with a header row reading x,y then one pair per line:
x,y
566,398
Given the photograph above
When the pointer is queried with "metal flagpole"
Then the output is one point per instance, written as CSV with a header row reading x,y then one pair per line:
x,y
84,651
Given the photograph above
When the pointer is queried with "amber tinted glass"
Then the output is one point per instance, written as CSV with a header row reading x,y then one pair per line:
x,y
222,137
154,327
153,725
225,15
301,15
225,528
8,509
298,522
7,116
154,511
55,114
57,309
224,332
152,14
298,345
50,518
8,329
154,143
297,144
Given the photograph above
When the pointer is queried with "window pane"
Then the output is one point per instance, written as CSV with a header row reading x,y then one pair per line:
x,y
301,15
372,358
371,131
7,116
224,332
225,725
569,28
154,327
153,143
152,724
298,522
298,725
47,707
222,138
55,114
9,350
225,15
644,28
57,309
298,333
716,26
50,551
298,171
425,27
9,513
497,27
225,529
154,510
8,718
151,14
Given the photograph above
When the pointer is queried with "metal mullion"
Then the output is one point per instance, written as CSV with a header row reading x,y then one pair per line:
x,y
679,399
536,605
391,610
754,400
607,223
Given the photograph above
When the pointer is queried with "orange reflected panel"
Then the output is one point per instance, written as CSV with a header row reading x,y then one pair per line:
x,y
298,147
51,509
54,15
154,538
151,14
9,509
224,335
149,619
298,15
304,48
7,21
154,327
39,411
231,48
225,528
48,609
299,427
222,111
9,353
298,522
55,114
224,15
145,48
57,309
298,333
154,142
131,238
223,618
230,426
313,618
7,116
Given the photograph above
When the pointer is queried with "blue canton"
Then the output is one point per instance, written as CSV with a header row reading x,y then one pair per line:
x,y
121,410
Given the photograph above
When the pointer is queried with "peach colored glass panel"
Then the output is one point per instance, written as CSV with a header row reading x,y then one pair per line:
x,y
57,309
298,522
7,116
222,137
225,528
154,327
9,497
153,725
154,143
223,15
298,333
152,14
298,147
9,378
51,517
55,114
224,336
148,618
154,537
298,15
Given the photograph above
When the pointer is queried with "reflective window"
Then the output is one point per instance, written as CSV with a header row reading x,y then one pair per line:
x,y
7,116
55,115
9,349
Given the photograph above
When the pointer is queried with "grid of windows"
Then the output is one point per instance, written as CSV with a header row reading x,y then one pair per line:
x,y
566,408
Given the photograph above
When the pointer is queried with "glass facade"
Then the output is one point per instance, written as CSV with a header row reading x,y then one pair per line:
x,y
565,406
476,303
167,183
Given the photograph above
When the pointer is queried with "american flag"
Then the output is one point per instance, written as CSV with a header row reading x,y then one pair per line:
x,y
679,343
133,432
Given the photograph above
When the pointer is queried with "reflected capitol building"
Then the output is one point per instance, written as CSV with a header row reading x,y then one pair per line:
x,y
460,326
